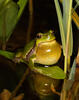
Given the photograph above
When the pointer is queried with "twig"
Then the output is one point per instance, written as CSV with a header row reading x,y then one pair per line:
x,y
19,85
63,92
30,21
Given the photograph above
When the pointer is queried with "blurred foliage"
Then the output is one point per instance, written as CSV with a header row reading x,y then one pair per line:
x,y
7,54
10,13
65,24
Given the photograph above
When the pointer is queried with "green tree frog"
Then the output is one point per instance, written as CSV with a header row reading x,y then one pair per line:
x,y
45,49
41,53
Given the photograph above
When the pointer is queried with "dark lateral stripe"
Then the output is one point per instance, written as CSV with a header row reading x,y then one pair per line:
x,y
30,52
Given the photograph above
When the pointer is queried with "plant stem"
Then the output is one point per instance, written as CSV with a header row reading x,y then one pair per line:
x,y
68,63
63,92
68,35
65,64
19,85
67,57
30,21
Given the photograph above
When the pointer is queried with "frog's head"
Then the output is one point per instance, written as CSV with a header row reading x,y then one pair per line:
x,y
44,37
48,50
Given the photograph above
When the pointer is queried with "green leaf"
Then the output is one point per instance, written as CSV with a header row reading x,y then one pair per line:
x,y
77,1
22,4
69,82
72,72
54,72
60,19
70,42
65,24
8,14
1,1
67,6
7,54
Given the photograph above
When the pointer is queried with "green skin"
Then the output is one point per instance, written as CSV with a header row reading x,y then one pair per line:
x,y
45,46
41,50
41,53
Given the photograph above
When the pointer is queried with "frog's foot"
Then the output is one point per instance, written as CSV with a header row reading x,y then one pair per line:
x,y
17,59
54,90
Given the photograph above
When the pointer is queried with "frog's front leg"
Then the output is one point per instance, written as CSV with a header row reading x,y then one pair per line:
x,y
18,57
17,60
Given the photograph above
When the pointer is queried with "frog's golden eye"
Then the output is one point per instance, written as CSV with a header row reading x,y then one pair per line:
x,y
38,36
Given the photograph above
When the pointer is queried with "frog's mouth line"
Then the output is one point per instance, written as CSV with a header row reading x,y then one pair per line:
x,y
41,65
47,41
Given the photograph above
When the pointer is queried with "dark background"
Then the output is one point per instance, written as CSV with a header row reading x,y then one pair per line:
x,y
44,19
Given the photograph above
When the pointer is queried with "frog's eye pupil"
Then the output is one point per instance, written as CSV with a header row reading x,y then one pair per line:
x,y
38,36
